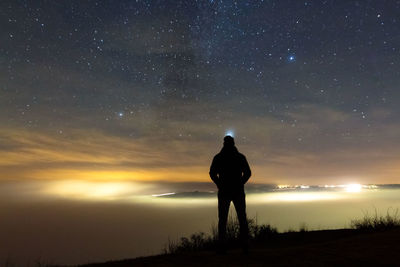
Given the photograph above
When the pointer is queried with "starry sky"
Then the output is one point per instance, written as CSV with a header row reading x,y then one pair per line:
x,y
146,90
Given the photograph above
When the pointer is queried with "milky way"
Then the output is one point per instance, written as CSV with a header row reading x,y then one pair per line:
x,y
146,90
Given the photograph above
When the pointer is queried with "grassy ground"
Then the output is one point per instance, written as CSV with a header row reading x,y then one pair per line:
x,y
372,241
347,247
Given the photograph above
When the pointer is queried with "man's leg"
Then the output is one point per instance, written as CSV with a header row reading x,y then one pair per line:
x,y
223,208
239,201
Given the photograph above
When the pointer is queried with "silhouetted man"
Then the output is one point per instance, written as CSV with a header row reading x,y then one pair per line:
x,y
230,171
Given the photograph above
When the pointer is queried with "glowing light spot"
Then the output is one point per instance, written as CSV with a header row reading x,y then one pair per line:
x,y
230,132
92,190
353,188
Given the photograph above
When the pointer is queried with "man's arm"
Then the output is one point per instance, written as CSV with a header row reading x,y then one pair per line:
x,y
214,172
246,170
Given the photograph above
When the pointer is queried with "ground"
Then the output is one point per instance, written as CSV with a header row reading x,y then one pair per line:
x,y
313,248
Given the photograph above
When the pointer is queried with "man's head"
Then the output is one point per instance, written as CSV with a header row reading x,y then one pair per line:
x,y
229,141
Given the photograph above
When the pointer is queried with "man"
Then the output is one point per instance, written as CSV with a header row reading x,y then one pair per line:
x,y
230,171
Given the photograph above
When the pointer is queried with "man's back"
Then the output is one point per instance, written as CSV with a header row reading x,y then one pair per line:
x,y
229,169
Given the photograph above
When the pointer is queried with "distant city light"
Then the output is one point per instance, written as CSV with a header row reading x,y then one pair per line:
x,y
353,188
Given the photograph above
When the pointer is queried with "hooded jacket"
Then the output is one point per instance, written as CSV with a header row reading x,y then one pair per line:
x,y
229,169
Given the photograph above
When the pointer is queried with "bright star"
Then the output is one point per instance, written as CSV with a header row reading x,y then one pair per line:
x,y
120,114
291,58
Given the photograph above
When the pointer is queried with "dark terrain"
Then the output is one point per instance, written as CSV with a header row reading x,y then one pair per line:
x,y
344,247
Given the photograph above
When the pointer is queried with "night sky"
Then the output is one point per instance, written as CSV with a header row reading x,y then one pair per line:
x,y
146,90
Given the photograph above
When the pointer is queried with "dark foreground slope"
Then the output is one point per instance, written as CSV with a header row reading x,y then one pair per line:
x,y
315,248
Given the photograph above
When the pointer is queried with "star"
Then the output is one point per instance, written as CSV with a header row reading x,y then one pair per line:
x,y
291,58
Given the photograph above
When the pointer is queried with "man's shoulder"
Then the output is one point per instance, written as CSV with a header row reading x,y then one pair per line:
x,y
219,155
241,155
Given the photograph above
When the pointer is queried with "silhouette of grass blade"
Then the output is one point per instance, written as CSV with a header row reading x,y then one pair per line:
x,y
377,222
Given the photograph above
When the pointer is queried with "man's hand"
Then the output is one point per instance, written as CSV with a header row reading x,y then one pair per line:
x,y
216,181
218,185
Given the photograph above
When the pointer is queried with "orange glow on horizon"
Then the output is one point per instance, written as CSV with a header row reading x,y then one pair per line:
x,y
91,155
171,175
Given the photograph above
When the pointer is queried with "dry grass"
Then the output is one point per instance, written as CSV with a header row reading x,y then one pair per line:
x,y
201,241
377,222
